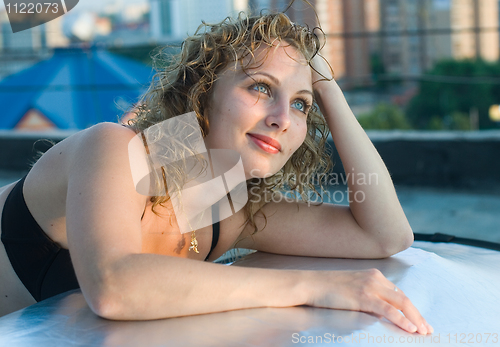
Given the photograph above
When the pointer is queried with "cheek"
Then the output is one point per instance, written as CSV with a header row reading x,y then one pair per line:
x,y
299,137
302,132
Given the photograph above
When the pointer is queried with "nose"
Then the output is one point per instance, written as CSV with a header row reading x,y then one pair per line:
x,y
279,116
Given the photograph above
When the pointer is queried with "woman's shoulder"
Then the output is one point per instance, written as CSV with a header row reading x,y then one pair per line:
x,y
102,167
101,148
104,133
100,141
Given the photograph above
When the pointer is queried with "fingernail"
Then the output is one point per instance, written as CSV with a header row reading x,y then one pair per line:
x,y
430,328
412,327
423,329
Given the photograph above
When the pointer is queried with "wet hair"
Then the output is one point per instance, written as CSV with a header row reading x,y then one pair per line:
x,y
185,82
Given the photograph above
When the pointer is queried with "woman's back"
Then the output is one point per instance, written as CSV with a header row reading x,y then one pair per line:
x,y
44,195
46,185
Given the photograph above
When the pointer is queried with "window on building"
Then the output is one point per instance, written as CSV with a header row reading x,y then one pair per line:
x,y
394,58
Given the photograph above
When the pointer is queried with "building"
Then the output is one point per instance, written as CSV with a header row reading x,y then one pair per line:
x,y
467,14
22,49
74,89
349,56
345,23
173,20
418,33
121,26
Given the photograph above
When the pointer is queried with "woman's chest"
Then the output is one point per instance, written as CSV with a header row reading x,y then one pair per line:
x,y
161,235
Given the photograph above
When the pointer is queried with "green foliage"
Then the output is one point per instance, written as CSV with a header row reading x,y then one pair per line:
x,y
457,121
435,123
378,69
451,98
385,117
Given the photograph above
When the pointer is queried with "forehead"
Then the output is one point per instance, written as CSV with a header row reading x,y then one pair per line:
x,y
281,60
281,53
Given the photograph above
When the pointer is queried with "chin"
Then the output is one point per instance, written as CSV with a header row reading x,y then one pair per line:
x,y
259,173
259,168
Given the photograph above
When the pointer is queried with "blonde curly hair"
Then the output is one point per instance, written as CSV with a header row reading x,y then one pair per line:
x,y
185,82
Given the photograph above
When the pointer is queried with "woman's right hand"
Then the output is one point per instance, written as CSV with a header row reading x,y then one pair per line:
x,y
367,291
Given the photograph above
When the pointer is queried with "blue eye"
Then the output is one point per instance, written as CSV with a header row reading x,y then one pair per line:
x,y
299,105
261,88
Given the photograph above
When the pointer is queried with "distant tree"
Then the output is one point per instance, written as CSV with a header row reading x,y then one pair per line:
x,y
457,121
382,80
440,101
378,69
384,117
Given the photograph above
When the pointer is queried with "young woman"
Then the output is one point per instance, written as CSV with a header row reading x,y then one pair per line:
x,y
253,84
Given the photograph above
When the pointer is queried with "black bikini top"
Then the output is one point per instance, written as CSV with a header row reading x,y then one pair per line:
x,y
215,228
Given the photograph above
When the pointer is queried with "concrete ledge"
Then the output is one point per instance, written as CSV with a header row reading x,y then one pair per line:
x,y
451,159
415,135
446,159
19,148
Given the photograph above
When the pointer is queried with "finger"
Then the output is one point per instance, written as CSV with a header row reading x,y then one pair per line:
x,y
401,302
388,311
430,329
396,297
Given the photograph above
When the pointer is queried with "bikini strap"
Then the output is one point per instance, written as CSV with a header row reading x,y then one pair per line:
x,y
215,228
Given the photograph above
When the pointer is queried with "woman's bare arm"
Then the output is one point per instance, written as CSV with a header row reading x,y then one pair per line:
x,y
373,200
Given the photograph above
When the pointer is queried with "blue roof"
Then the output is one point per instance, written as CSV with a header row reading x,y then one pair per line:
x,y
74,89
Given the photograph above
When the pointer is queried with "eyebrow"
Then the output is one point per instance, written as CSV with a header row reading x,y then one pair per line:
x,y
278,83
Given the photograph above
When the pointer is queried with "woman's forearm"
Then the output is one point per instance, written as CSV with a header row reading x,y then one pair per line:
x,y
149,286
372,197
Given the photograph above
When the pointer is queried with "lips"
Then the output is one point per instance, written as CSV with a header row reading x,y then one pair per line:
x,y
266,141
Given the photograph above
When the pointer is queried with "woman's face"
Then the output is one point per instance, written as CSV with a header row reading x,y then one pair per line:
x,y
269,105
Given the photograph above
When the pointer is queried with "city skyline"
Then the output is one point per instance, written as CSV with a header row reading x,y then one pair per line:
x,y
94,5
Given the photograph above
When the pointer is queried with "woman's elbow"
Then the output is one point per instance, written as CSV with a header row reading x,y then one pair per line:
x,y
105,304
103,297
402,239
104,308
